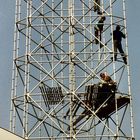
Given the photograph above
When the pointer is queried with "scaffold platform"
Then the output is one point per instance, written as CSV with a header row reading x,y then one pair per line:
x,y
104,100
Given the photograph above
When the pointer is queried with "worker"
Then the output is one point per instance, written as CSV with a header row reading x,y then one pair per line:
x,y
106,78
98,29
117,38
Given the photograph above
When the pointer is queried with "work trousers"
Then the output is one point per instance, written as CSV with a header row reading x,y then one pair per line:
x,y
118,46
96,6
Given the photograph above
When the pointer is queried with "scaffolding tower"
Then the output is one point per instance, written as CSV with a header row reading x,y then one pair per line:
x,y
60,50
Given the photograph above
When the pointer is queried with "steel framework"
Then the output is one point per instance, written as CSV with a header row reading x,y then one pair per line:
x,y
57,65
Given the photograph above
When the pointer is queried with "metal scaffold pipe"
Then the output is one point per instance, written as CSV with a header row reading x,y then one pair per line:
x,y
71,75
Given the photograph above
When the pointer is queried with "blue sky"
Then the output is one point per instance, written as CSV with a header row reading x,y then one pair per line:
x,y
6,45
133,19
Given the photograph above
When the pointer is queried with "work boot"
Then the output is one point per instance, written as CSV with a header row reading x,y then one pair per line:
x,y
99,12
95,8
125,60
115,59
96,41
